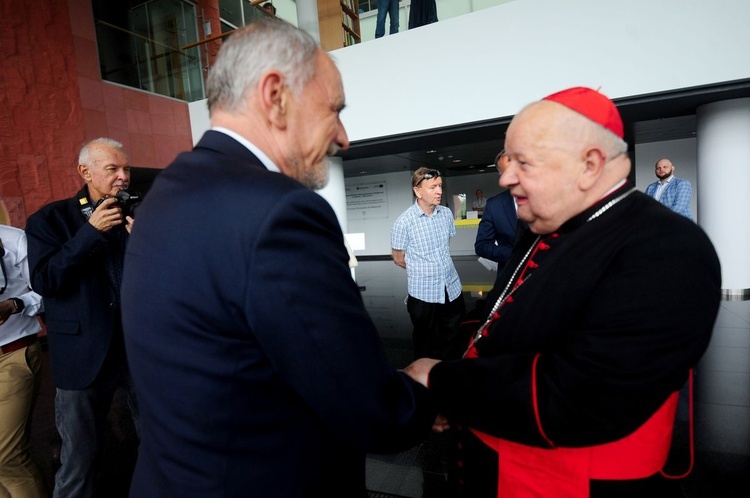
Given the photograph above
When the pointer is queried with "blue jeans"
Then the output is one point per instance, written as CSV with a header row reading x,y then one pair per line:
x,y
80,417
389,8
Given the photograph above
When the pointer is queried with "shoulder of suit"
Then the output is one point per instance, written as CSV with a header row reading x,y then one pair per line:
x,y
56,206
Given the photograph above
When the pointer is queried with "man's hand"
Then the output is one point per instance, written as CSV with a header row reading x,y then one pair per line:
x,y
441,423
129,223
7,308
106,216
399,257
419,370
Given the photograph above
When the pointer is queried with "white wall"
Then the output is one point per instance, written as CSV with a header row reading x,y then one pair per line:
x,y
199,119
490,63
287,10
446,9
468,184
378,230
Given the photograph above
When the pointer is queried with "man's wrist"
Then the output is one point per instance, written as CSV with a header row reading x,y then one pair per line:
x,y
18,305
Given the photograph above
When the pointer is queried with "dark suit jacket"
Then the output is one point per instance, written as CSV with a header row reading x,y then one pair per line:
x,y
498,224
257,368
82,314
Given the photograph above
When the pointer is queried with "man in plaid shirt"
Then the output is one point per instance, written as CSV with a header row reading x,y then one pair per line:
x,y
420,240
673,192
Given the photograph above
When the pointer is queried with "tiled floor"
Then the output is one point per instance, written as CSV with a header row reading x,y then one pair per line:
x,y
722,396
722,407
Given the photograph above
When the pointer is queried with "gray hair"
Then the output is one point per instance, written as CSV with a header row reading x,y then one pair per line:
x,y
253,50
612,144
84,157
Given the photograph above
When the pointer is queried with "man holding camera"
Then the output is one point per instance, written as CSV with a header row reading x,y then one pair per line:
x,y
76,251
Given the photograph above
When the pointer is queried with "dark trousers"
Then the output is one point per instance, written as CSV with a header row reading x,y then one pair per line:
x,y
436,331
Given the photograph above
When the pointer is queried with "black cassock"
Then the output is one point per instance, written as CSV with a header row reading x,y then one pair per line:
x,y
606,325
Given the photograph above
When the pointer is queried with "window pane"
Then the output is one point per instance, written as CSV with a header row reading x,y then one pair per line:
x,y
141,46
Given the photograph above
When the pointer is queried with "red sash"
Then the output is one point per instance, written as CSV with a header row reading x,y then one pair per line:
x,y
526,471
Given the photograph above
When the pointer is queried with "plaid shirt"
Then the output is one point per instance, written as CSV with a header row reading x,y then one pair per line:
x,y
676,195
426,241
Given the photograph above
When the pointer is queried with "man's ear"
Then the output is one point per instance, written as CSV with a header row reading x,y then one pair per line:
x,y
594,161
274,98
84,171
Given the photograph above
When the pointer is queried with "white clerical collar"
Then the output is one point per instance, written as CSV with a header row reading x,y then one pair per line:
x,y
270,166
617,185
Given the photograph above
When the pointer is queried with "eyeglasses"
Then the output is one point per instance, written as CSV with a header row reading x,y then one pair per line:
x,y
501,162
429,175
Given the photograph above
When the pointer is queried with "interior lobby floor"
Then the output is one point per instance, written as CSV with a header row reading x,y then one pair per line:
x,y
721,391
722,405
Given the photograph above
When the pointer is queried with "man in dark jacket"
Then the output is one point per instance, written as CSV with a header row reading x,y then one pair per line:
x,y
258,370
76,251
497,231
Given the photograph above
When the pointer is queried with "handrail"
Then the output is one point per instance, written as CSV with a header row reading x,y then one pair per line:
x,y
209,39
150,40
253,3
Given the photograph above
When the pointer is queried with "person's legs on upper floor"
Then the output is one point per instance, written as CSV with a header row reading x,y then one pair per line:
x,y
393,16
386,8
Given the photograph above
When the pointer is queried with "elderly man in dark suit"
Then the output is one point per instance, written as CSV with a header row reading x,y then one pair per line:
x,y
257,367
76,251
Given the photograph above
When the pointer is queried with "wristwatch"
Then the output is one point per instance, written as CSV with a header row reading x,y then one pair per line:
x,y
18,303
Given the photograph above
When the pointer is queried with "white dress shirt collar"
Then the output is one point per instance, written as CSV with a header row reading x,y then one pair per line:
x,y
270,166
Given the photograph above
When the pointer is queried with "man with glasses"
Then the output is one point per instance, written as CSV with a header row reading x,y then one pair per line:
x,y
496,233
20,364
420,243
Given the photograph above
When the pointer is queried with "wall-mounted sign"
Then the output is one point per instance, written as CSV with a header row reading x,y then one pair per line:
x,y
367,201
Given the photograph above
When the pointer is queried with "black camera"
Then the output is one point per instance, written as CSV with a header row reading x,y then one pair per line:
x,y
127,200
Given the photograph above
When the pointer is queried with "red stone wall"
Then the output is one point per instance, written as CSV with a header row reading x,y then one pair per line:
x,y
52,100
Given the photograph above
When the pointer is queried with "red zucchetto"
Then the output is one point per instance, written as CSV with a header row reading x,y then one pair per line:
x,y
592,104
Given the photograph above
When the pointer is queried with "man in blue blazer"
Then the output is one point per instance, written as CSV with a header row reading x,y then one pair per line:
x,y
496,234
76,251
675,193
258,370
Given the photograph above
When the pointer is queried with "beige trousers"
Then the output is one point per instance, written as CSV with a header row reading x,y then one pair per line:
x,y
19,383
